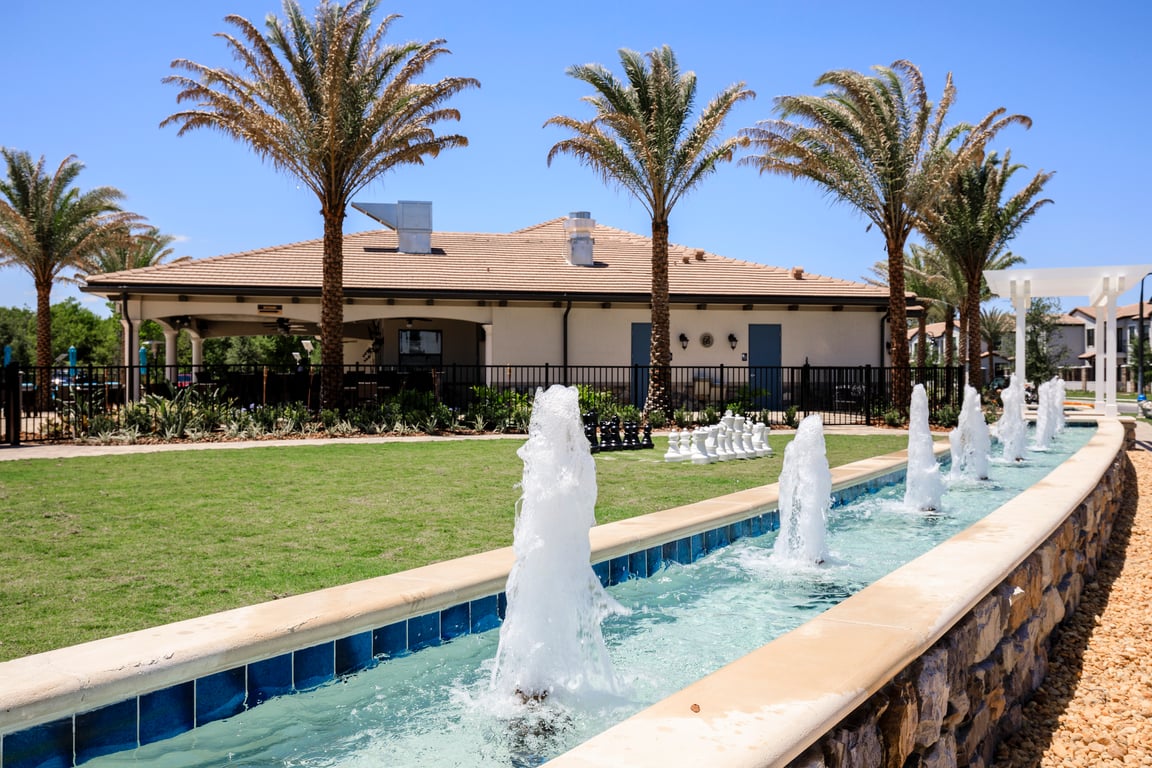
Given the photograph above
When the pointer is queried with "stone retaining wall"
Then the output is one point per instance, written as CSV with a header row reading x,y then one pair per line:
x,y
953,705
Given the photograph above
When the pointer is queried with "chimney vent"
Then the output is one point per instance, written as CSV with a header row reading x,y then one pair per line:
x,y
700,254
798,273
412,220
579,226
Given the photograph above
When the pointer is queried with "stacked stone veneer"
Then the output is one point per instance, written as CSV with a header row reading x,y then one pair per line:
x,y
954,703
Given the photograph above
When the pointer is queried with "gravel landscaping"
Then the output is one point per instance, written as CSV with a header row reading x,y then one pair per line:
x,y
1095,707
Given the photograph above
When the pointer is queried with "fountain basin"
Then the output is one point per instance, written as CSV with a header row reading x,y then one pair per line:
x,y
431,603
935,659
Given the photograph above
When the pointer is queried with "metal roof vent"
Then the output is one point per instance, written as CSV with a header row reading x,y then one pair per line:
x,y
579,226
412,220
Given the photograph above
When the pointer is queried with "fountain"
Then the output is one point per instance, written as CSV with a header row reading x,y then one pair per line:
x,y
805,496
970,441
1049,413
550,642
1011,430
436,706
924,485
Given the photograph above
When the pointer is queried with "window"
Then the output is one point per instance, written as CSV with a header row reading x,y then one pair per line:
x,y
1090,337
420,348
1121,340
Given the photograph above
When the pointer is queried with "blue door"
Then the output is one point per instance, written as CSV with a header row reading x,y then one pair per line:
x,y
764,365
642,356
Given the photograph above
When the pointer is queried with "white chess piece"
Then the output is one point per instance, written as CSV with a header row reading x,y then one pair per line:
x,y
746,435
673,453
710,443
699,454
737,438
723,445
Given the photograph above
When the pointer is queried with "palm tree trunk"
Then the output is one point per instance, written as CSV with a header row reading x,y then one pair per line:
x,y
660,350
949,340
922,345
43,342
332,309
975,368
898,325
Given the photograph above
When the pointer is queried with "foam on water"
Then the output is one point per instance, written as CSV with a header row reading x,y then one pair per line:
x,y
925,484
550,642
805,496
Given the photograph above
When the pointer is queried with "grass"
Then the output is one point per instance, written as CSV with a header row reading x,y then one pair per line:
x,y
98,546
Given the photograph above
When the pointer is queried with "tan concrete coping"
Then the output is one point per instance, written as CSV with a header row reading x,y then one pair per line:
x,y
766,708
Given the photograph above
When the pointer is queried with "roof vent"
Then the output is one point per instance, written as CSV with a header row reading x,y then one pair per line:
x,y
579,226
412,220
797,273
699,254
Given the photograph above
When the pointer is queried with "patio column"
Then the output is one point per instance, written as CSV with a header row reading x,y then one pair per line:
x,y
170,336
1110,408
1021,299
1101,344
488,362
197,351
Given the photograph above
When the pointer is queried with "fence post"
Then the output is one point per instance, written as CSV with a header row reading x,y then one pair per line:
x,y
547,375
13,396
868,395
805,375
720,405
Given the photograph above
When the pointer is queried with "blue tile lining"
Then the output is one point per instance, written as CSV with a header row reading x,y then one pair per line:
x,y
168,712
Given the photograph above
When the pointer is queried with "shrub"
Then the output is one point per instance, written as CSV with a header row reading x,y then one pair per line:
x,y
790,416
893,418
682,417
657,419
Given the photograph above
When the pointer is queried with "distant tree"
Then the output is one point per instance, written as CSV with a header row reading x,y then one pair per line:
x,y
95,337
18,331
47,226
328,102
128,247
1041,352
996,326
641,139
972,226
878,144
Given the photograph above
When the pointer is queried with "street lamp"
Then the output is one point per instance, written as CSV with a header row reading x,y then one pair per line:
x,y
1140,357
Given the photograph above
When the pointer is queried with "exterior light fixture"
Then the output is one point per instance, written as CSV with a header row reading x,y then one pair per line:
x,y
683,341
732,340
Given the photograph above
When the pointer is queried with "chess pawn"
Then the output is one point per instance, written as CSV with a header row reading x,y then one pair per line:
x,y
746,435
673,452
699,453
710,443
723,445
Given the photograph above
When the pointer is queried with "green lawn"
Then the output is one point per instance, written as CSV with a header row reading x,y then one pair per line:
x,y
92,547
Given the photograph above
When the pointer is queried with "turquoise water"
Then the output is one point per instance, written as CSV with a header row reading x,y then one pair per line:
x,y
434,707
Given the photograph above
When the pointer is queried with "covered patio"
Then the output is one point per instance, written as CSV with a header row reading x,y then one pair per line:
x,y
1102,286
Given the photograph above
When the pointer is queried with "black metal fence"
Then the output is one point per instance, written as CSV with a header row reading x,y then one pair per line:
x,y
41,404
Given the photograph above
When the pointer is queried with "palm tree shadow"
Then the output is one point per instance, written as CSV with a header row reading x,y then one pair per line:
x,y
1069,642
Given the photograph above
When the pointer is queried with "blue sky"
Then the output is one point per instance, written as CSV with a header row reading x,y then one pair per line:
x,y
84,78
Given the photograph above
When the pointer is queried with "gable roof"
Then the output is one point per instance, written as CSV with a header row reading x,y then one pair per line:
x,y
1127,311
526,264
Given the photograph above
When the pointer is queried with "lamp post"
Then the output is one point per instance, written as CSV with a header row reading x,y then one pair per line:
x,y
1140,356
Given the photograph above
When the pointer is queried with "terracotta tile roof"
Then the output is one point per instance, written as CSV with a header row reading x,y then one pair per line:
x,y
1123,311
527,263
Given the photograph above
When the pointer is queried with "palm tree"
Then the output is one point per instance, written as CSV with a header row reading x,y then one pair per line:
x,y
329,103
641,139
47,226
926,275
128,248
995,325
878,144
972,227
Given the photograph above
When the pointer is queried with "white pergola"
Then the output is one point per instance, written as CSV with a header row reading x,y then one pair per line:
x,y
1100,284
